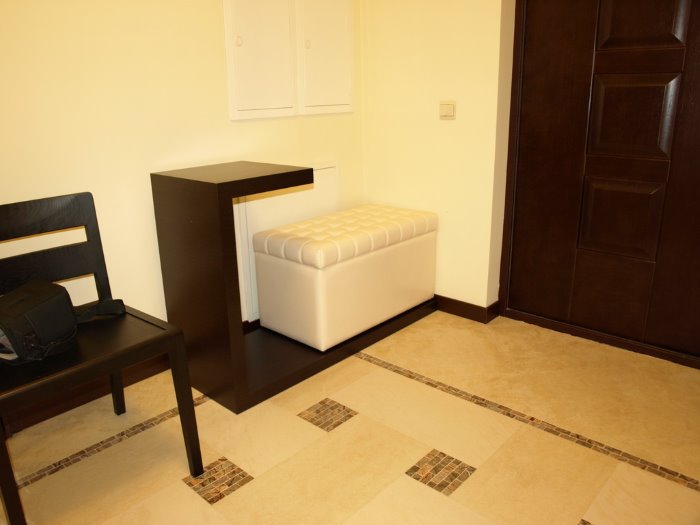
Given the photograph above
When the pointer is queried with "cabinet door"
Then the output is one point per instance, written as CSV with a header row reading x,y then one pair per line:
x,y
325,55
262,68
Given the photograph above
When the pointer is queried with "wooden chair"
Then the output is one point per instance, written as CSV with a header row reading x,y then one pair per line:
x,y
105,346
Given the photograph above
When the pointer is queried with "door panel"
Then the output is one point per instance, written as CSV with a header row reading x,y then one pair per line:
x,y
674,313
622,217
624,61
555,95
606,225
611,293
633,114
642,23
627,168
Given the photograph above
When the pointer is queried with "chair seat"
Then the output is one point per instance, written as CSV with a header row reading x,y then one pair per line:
x,y
103,346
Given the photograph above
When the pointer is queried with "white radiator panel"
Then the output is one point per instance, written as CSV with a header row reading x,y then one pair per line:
x,y
263,211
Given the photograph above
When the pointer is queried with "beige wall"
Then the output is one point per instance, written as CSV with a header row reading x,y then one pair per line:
x,y
417,53
96,95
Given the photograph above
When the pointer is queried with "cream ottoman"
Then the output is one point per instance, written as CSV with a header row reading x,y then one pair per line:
x,y
324,280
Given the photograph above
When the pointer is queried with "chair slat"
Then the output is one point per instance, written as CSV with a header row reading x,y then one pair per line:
x,y
23,219
55,264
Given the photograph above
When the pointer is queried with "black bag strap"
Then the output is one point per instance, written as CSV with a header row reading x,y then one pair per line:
x,y
101,308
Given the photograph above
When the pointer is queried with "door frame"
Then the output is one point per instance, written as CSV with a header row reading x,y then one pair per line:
x,y
509,218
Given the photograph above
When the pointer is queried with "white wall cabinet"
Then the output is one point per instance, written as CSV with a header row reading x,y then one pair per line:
x,y
289,57
261,58
324,46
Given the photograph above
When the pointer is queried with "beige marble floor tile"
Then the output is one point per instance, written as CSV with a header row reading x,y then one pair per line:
x,y
176,504
667,422
85,425
257,439
113,481
456,427
328,481
322,385
645,406
408,502
355,473
536,478
634,496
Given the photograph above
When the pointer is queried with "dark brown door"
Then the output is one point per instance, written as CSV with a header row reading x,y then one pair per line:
x,y
606,214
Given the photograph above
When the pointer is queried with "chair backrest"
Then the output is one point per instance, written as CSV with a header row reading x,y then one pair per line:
x,y
54,214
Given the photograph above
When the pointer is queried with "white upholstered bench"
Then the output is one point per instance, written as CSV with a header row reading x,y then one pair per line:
x,y
324,280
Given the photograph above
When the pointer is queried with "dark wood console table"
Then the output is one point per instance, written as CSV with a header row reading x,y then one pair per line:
x,y
196,241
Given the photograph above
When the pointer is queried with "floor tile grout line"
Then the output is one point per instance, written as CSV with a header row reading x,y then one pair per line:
x,y
532,421
106,443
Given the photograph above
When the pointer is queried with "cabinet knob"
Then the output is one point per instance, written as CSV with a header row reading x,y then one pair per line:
x,y
308,44
239,41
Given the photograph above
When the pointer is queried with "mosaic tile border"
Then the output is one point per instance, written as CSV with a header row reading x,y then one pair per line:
x,y
102,445
532,421
327,414
441,472
219,479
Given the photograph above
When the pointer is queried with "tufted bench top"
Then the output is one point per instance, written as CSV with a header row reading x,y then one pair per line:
x,y
331,239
